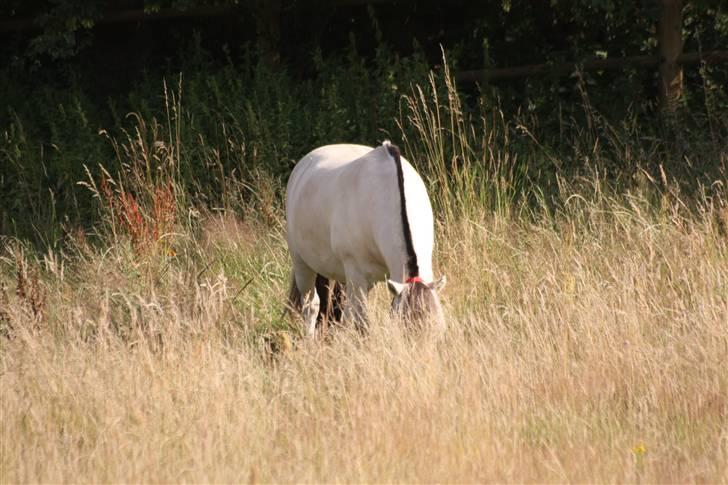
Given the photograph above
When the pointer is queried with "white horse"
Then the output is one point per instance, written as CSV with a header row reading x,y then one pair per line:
x,y
358,215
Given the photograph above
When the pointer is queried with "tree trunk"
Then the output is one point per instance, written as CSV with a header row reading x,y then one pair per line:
x,y
268,30
669,46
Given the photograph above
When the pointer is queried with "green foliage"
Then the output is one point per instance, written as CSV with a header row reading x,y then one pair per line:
x,y
235,120
231,117
65,28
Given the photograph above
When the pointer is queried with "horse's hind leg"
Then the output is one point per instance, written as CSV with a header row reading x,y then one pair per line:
x,y
306,282
331,295
324,294
357,289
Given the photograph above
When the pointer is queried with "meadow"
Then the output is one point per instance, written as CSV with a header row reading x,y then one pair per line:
x,y
587,323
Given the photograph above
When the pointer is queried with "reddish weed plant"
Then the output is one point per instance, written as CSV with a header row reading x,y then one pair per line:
x,y
145,220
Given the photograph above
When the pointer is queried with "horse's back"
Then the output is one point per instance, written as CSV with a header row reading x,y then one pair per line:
x,y
315,172
312,185
331,157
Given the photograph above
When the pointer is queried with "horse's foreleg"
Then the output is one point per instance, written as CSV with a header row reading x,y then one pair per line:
x,y
306,283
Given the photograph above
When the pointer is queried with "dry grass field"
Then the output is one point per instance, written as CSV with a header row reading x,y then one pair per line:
x,y
590,345
587,339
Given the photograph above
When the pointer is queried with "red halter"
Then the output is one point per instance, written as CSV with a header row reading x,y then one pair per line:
x,y
414,279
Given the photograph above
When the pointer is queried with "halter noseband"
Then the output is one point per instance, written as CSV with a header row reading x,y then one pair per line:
x,y
414,279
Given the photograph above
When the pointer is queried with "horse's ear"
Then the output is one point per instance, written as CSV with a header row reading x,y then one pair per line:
x,y
394,287
438,284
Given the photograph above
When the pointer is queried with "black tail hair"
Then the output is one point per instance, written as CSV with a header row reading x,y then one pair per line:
x,y
412,267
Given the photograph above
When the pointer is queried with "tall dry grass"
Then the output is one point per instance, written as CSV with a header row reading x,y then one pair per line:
x,y
589,347
587,341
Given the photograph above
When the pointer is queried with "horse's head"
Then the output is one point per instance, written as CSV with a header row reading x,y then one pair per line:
x,y
417,303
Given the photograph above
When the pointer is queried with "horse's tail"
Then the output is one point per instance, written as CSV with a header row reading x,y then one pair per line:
x,y
412,266
331,300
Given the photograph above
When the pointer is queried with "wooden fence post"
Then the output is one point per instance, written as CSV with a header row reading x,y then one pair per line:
x,y
669,47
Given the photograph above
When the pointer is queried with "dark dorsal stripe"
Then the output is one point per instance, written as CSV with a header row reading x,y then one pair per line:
x,y
412,268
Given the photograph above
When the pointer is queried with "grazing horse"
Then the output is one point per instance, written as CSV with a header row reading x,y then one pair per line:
x,y
358,215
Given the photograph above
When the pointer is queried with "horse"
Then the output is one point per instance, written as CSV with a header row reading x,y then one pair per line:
x,y
358,215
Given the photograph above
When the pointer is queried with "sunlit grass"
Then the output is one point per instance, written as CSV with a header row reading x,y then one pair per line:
x,y
574,353
587,334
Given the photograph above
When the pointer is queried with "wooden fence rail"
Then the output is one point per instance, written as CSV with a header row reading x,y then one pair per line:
x,y
566,68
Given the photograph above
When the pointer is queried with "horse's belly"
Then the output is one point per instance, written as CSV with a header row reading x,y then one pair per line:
x,y
325,264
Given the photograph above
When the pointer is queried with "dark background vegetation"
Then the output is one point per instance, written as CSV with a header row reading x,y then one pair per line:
x,y
256,95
